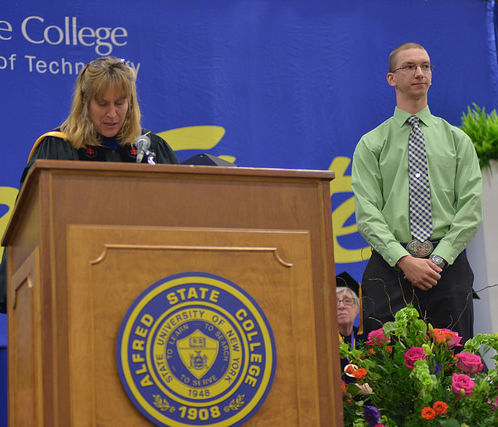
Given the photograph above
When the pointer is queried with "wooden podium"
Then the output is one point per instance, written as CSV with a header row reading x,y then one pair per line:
x,y
86,239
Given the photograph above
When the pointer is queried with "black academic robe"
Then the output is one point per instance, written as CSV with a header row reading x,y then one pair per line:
x,y
57,148
347,340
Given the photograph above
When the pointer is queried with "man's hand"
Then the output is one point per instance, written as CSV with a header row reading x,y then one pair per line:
x,y
420,272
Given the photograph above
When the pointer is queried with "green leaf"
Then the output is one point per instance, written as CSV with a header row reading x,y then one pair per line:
x,y
451,423
482,129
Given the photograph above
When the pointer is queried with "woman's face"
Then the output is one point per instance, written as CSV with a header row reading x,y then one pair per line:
x,y
347,310
108,113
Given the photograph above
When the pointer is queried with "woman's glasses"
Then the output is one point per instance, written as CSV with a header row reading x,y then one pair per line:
x,y
100,62
348,302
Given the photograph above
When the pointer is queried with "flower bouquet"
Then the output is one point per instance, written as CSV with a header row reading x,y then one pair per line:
x,y
415,377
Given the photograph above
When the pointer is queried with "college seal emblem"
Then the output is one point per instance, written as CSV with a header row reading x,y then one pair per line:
x,y
195,349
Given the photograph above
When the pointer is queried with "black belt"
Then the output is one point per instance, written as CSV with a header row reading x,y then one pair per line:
x,y
420,249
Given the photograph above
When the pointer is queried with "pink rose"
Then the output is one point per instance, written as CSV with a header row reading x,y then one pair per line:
x,y
377,337
462,385
493,405
412,355
469,363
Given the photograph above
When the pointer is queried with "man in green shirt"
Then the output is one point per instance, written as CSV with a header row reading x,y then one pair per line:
x,y
434,275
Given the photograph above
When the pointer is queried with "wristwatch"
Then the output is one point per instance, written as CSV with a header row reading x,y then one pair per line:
x,y
438,260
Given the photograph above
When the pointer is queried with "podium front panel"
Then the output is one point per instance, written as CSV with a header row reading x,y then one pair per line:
x,y
110,266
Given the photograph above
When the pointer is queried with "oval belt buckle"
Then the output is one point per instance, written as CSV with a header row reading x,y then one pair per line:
x,y
420,249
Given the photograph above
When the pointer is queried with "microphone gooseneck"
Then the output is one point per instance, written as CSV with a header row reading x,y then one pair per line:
x,y
142,143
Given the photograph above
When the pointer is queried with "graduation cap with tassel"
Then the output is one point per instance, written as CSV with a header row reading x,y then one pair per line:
x,y
345,280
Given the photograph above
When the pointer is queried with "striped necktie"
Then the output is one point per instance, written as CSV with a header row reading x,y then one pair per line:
x,y
420,197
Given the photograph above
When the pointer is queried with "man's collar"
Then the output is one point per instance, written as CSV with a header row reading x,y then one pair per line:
x,y
400,116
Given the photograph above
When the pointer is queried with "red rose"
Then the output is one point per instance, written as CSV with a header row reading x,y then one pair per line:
x,y
469,363
412,355
377,337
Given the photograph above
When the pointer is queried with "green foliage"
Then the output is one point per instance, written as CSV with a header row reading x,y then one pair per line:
x,y
482,129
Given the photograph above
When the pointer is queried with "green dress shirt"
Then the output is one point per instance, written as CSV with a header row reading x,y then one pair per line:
x,y
380,185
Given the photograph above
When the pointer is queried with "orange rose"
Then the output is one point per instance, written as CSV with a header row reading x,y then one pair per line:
x,y
360,373
440,407
428,413
446,336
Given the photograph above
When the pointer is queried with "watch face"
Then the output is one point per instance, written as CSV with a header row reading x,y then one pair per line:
x,y
437,259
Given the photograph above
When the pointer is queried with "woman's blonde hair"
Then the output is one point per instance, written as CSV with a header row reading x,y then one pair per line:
x,y
93,82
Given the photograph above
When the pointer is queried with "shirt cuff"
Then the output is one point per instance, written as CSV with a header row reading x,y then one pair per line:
x,y
446,251
394,253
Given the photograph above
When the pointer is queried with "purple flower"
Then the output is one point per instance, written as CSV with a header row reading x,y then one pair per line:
x,y
372,415
435,368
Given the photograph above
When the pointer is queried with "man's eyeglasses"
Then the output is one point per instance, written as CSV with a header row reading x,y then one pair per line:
x,y
412,68
348,302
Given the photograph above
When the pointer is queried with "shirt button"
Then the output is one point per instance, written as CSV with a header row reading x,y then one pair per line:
x,y
417,175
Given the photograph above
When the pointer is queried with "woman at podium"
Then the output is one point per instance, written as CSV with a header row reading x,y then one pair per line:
x,y
104,125
104,122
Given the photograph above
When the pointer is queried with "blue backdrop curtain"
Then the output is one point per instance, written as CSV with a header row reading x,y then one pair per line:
x,y
264,83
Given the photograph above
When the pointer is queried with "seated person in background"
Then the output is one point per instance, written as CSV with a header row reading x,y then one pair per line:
x,y
348,308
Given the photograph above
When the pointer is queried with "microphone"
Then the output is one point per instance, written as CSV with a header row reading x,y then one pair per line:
x,y
142,143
